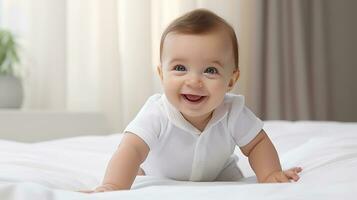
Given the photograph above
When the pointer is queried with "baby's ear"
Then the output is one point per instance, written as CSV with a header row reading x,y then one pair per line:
x,y
159,71
234,79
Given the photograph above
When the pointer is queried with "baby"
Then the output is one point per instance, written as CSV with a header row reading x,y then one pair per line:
x,y
189,133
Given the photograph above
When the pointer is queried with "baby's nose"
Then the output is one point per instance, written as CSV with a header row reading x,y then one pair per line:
x,y
194,81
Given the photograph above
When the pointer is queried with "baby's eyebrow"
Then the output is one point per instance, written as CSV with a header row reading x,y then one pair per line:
x,y
177,60
217,62
183,60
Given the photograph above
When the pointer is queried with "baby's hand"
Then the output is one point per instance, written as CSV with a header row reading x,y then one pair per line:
x,y
284,176
102,188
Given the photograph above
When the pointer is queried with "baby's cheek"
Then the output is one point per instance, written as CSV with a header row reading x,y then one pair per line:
x,y
217,86
172,88
219,90
171,83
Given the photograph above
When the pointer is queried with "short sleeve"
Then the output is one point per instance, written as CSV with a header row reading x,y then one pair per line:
x,y
147,123
243,123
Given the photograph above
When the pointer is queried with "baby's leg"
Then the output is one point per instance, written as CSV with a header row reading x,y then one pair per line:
x,y
141,172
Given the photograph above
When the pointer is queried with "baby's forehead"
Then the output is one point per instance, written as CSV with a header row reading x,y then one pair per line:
x,y
215,45
219,40
197,48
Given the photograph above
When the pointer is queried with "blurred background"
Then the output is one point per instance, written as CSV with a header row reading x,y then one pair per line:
x,y
87,66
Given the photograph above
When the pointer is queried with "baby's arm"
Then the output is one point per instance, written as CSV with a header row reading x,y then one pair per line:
x,y
125,163
264,160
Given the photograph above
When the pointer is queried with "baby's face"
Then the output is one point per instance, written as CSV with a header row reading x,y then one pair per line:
x,y
197,70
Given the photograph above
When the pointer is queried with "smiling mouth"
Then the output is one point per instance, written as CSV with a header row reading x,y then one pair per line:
x,y
193,98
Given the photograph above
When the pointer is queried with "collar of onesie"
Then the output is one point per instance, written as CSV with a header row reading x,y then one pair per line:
x,y
178,120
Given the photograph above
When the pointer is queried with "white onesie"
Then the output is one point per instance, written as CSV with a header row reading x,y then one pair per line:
x,y
180,151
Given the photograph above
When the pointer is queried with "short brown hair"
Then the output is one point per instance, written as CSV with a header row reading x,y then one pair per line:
x,y
201,21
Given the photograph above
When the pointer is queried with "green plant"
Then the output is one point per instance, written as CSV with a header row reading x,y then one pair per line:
x,y
8,53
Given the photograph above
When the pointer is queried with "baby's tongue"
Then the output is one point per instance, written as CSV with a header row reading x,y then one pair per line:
x,y
192,97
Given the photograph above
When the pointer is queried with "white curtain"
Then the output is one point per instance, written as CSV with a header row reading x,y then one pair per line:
x,y
40,30
101,56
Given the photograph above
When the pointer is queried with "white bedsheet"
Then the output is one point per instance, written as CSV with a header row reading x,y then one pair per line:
x,y
53,170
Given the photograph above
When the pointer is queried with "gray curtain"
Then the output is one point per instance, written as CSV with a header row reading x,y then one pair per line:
x,y
289,76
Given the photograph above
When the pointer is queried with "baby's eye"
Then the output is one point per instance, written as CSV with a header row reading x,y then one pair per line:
x,y
180,68
211,70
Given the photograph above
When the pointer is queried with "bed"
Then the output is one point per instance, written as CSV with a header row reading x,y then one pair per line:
x,y
56,169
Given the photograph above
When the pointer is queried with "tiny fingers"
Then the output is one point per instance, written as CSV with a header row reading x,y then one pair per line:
x,y
284,176
100,190
295,169
292,174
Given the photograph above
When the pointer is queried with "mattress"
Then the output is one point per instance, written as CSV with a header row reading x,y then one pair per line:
x,y
57,169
